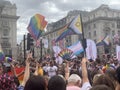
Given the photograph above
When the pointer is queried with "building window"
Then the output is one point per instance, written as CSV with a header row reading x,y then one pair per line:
x,y
5,51
113,33
10,52
113,25
117,14
94,33
95,40
118,24
106,32
89,35
88,18
4,23
106,14
5,32
89,27
5,40
119,32
94,25
6,44
94,16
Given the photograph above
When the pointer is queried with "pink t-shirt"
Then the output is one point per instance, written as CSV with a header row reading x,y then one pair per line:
x,y
73,88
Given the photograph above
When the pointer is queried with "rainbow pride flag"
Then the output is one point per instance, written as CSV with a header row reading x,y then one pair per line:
x,y
76,25
36,25
106,40
72,28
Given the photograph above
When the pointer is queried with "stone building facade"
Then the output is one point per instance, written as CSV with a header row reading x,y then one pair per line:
x,y
8,28
101,22
97,24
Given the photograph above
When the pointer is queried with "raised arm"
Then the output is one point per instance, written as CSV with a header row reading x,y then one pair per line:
x,y
67,73
84,70
36,70
27,69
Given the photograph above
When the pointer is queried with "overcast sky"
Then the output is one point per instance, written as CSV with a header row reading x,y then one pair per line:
x,y
53,10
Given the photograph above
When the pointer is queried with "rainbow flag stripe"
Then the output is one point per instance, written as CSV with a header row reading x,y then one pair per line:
x,y
36,25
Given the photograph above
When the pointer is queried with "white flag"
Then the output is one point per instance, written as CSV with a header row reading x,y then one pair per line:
x,y
45,41
91,50
56,49
59,60
118,52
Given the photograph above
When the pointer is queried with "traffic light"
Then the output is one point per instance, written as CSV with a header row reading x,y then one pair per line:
x,y
29,41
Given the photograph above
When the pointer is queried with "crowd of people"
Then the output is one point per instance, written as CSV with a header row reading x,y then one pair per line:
x,y
76,74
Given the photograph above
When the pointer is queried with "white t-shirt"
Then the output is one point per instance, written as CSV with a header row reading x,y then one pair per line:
x,y
86,86
45,68
52,71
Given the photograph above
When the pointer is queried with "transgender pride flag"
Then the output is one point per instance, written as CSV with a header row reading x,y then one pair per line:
x,y
76,48
72,28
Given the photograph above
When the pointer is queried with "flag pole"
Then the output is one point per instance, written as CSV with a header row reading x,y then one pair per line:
x,y
83,37
84,43
40,48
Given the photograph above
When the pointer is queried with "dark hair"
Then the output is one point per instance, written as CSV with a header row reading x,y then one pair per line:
x,y
51,63
98,60
35,83
111,73
104,79
56,83
100,87
118,74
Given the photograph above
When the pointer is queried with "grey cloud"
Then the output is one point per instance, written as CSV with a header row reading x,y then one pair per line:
x,y
79,4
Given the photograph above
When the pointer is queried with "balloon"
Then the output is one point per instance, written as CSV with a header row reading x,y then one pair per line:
x,y
8,59
2,56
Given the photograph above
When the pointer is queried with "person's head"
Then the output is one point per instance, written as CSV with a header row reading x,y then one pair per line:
x,y
56,83
74,79
98,61
51,63
104,79
111,73
96,76
118,74
35,83
7,82
100,87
